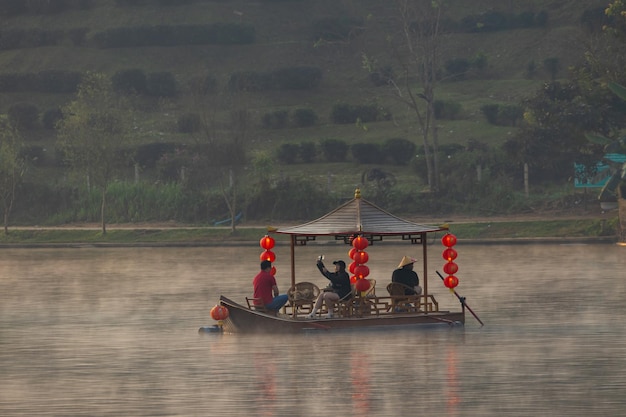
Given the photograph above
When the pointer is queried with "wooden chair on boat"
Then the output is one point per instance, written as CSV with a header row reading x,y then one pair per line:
x,y
303,295
344,307
256,304
364,303
400,301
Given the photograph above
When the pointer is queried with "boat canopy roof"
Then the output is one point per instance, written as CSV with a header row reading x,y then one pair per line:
x,y
359,217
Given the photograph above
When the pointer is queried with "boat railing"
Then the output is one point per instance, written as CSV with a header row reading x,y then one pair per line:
x,y
373,305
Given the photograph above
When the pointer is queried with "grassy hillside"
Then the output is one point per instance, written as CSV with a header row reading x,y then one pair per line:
x,y
285,38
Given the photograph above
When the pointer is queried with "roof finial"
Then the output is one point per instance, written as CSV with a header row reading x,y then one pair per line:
x,y
357,193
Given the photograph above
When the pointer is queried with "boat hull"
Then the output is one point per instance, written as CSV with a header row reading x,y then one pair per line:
x,y
241,319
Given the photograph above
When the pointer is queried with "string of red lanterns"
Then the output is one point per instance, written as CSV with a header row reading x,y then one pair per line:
x,y
449,254
358,267
267,243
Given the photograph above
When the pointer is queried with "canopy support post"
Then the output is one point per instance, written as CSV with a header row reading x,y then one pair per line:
x,y
425,261
293,261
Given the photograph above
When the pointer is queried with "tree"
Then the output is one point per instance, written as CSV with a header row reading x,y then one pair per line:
x,y
232,162
552,138
415,46
12,167
94,134
611,67
615,188
222,156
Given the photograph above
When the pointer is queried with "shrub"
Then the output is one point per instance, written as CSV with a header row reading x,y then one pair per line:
x,y
457,67
49,81
295,78
525,19
23,116
502,115
449,110
188,123
13,7
233,34
78,36
307,152
131,81
382,76
400,150
541,19
247,81
174,2
552,65
343,113
287,153
479,61
510,115
174,35
58,81
203,85
50,7
161,84
129,2
19,82
35,155
490,111
334,150
531,70
275,120
29,38
336,28
149,154
593,20
304,117
367,153
50,118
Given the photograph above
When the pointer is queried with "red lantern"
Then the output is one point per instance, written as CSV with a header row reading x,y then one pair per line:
x,y
219,313
360,243
449,254
273,271
448,240
450,268
352,266
353,279
267,242
361,257
352,252
451,281
362,285
361,271
268,255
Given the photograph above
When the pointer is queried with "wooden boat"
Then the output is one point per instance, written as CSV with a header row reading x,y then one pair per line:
x,y
242,319
357,217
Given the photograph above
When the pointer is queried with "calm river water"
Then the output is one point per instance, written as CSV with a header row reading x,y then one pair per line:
x,y
114,332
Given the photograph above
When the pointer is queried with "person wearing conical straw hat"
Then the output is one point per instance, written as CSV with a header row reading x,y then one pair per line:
x,y
404,274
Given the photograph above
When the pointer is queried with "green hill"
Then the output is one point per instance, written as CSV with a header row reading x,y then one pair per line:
x,y
286,35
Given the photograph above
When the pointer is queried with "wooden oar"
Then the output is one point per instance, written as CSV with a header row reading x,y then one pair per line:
x,y
462,300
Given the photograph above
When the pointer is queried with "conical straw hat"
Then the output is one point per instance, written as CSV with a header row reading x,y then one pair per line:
x,y
406,261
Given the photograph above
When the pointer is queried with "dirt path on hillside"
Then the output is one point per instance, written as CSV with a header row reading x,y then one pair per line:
x,y
433,219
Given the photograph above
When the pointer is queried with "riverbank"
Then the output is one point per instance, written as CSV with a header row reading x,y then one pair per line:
x,y
553,228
